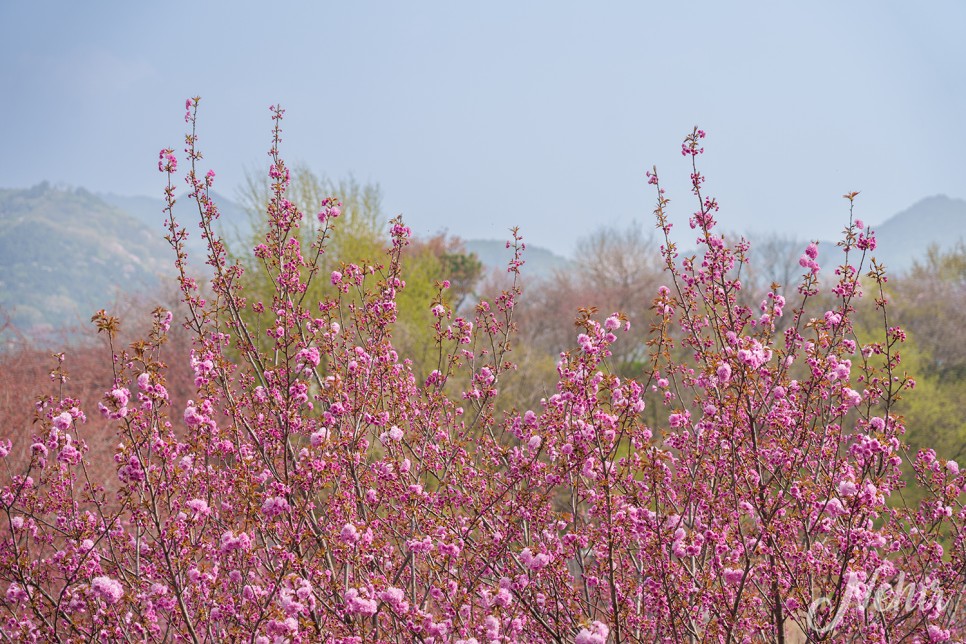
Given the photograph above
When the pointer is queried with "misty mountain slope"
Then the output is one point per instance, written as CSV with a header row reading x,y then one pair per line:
x,y
538,262
234,223
64,253
907,235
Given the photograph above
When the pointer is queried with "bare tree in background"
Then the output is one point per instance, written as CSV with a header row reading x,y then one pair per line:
x,y
614,269
775,261
930,302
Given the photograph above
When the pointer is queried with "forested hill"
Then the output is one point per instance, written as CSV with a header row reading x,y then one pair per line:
x,y
64,253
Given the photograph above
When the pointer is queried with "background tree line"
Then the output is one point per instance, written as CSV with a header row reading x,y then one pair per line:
x,y
613,269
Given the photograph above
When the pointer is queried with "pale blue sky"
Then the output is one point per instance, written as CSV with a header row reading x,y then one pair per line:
x,y
476,117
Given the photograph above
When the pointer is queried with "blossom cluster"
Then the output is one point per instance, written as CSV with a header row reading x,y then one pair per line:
x,y
318,488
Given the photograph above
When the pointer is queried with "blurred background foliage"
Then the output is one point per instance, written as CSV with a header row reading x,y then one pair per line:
x,y
612,269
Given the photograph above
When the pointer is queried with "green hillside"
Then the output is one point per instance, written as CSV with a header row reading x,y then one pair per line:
x,y
64,253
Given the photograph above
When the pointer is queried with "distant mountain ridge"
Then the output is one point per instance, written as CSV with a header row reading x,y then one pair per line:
x,y
233,221
907,235
66,252
538,262
900,240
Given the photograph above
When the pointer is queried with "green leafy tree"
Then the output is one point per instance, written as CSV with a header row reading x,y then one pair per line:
x,y
357,237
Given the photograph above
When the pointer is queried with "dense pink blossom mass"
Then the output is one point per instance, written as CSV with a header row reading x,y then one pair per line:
x,y
315,489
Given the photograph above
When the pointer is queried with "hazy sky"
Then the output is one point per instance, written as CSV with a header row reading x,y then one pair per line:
x,y
478,116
